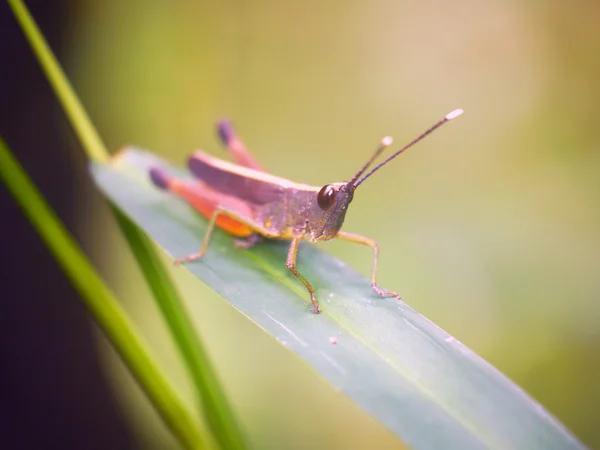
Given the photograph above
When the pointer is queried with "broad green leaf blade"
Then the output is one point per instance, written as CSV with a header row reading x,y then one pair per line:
x,y
416,379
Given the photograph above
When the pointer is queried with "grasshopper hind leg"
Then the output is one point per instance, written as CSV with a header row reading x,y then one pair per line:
x,y
236,146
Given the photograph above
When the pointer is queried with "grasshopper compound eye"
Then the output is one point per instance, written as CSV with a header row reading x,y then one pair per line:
x,y
326,197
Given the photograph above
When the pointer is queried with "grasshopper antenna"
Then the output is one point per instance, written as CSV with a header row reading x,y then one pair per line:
x,y
385,142
451,115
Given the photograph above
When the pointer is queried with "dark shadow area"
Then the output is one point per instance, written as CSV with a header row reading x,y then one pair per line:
x,y
53,393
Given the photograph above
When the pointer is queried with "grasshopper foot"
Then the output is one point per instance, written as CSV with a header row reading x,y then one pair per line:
x,y
315,308
189,258
383,293
248,242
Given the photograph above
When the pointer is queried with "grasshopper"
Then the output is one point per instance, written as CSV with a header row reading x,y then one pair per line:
x,y
251,204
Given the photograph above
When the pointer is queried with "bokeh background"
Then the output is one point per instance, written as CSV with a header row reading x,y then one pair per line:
x,y
490,227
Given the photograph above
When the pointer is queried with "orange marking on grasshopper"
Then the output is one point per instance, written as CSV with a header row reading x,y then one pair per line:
x,y
205,201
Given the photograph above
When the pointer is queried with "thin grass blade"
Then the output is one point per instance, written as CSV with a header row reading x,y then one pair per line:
x,y
211,400
103,305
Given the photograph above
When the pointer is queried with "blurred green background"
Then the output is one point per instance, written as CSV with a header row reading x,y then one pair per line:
x,y
490,227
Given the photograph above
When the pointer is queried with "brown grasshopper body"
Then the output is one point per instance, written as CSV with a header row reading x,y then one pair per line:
x,y
251,204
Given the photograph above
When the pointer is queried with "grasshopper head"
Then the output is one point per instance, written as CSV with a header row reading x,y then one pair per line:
x,y
329,210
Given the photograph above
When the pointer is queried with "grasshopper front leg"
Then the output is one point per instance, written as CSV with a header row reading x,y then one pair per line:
x,y
363,240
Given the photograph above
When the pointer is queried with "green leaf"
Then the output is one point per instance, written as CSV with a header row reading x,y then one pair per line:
x,y
416,379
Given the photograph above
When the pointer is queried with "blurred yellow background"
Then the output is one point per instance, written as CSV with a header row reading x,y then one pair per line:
x,y
490,227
